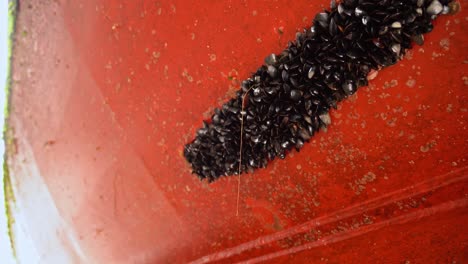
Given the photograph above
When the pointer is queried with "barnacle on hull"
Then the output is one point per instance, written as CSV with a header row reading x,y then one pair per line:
x,y
288,98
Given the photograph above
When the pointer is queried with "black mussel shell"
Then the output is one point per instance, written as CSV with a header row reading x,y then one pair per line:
x,y
289,97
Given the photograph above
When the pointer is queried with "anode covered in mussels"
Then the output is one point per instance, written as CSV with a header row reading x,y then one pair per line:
x,y
287,100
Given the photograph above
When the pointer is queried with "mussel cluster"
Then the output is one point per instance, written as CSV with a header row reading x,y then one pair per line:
x,y
287,100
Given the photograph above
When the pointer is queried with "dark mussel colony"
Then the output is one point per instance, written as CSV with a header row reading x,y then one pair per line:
x,y
287,100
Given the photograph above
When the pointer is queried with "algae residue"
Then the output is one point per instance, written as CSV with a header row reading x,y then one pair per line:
x,y
8,139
